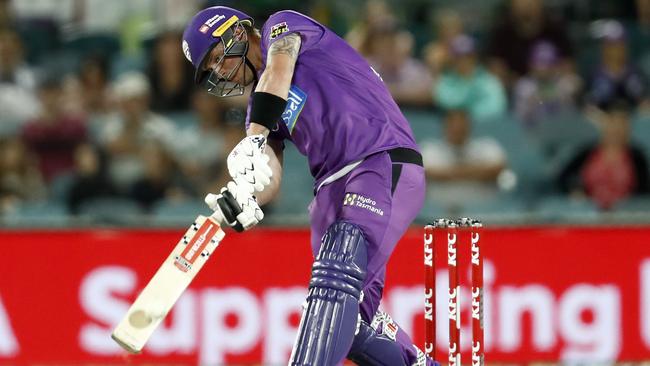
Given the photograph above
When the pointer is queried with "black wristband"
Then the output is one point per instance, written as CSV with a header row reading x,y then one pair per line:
x,y
267,109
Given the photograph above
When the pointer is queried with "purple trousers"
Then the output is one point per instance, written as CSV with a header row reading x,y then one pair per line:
x,y
382,198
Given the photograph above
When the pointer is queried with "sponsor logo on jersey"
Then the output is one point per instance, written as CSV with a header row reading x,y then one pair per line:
x,y
278,29
295,103
349,198
360,201
204,29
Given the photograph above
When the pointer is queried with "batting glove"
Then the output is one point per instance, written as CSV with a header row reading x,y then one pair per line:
x,y
248,165
235,206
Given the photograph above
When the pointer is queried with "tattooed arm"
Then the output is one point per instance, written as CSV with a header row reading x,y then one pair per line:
x,y
280,62
276,79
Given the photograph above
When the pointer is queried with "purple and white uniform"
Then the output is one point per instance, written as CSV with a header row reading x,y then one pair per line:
x,y
359,146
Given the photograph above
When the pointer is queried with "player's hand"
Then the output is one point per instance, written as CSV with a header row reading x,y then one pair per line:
x,y
248,165
235,206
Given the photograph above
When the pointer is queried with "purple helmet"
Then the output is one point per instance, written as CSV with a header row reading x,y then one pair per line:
x,y
209,27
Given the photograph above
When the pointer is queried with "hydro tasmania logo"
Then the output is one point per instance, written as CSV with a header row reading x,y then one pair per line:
x,y
357,200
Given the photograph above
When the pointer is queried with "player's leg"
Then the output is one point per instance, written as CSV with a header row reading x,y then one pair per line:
x,y
383,343
365,197
379,336
338,311
380,341
329,321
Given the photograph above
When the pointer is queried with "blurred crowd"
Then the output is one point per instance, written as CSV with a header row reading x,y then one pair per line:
x,y
83,124
97,101
525,70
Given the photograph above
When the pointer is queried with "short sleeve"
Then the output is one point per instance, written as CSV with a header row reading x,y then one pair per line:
x,y
286,22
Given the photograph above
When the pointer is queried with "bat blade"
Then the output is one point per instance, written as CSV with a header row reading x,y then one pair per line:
x,y
166,286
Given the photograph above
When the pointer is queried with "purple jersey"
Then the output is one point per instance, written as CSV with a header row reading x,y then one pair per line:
x,y
338,110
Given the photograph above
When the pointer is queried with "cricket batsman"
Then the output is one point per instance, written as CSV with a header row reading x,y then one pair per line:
x,y
312,89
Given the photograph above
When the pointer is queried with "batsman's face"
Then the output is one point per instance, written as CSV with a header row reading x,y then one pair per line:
x,y
229,67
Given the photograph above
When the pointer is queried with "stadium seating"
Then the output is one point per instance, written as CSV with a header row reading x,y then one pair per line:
x,y
563,209
36,214
178,213
115,211
105,44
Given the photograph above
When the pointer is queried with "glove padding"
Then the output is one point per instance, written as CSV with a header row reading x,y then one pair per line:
x,y
247,163
235,206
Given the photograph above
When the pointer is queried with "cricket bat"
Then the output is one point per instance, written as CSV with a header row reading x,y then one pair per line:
x,y
167,285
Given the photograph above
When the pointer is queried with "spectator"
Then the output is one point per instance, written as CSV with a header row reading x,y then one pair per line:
x,y
93,86
545,92
57,11
611,169
6,17
467,85
87,94
202,150
20,179
407,78
462,169
54,135
18,102
93,16
437,55
90,179
511,41
158,180
39,24
171,77
643,14
377,17
133,125
13,68
616,77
